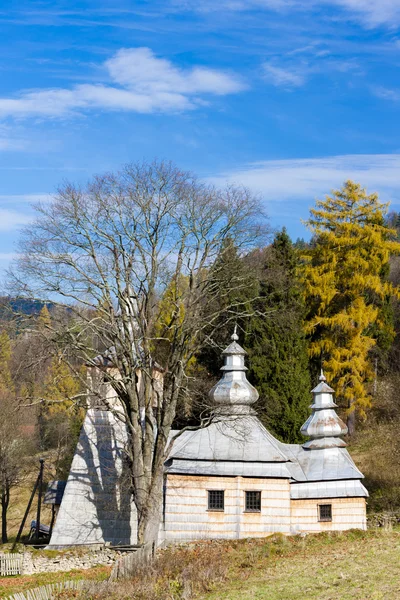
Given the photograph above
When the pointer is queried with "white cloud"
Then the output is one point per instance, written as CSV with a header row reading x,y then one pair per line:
x,y
141,83
372,13
308,178
24,198
7,145
387,94
281,77
8,256
10,219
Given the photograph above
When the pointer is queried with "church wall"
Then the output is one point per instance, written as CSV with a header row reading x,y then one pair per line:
x,y
97,506
187,516
347,513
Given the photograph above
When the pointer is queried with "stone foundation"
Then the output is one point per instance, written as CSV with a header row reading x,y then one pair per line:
x,y
68,561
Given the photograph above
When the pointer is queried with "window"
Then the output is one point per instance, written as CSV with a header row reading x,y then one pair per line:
x,y
216,500
253,502
325,512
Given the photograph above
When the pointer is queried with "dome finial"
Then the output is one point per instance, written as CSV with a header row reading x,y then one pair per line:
x,y
233,394
324,427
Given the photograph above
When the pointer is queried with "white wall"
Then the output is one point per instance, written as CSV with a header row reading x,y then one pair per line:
x,y
97,506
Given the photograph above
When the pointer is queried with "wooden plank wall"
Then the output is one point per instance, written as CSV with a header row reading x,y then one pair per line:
x,y
347,513
187,517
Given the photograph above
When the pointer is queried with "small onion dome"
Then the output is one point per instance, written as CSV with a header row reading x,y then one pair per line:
x,y
233,394
323,427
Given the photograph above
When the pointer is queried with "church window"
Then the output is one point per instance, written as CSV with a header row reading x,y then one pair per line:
x,y
253,502
216,500
325,512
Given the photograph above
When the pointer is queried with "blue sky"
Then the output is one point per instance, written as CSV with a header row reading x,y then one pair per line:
x,y
289,97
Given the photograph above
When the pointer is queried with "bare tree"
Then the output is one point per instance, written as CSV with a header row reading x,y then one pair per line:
x,y
12,450
112,251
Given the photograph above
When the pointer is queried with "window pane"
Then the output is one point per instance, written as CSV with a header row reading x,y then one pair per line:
x,y
253,501
325,512
216,500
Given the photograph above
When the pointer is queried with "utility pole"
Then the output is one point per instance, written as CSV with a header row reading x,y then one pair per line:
x,y
39,506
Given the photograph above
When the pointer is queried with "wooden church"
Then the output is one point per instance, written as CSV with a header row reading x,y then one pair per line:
x,y
229,480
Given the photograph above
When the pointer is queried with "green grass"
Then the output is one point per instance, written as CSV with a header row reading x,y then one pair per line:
x,y
355,565
344,567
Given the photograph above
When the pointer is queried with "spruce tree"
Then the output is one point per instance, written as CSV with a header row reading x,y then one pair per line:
x,y
276,344
235,285
347,291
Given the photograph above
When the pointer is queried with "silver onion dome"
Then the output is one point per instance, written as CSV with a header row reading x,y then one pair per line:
x,y
324,427
233,394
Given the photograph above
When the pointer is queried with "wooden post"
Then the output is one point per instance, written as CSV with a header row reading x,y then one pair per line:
x,y
39,506
26,514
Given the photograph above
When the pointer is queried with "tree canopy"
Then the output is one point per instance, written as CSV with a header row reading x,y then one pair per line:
x,y
109,251
276,343
345,288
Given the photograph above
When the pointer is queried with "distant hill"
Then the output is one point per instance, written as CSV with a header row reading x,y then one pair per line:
x,y
27,306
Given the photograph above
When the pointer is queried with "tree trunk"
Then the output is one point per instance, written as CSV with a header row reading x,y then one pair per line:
x,y
351,420
5,498
150,518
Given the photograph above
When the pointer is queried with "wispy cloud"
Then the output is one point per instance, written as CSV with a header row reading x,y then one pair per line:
x,y
369,13
141,82
308,178
281,77
11,145
16,199
386,93
8,256
293,71
10,219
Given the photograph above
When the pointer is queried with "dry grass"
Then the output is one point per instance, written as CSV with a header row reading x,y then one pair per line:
x,y
376,449
11,585
349,566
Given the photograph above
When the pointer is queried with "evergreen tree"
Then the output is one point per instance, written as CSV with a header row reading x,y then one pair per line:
x,y
234,286
276,344
347,290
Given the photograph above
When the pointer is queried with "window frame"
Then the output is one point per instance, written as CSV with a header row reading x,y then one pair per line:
x,y
326,519
213,509
252,510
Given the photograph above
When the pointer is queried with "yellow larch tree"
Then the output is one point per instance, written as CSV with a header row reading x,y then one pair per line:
x,y
6,383
345,288
60,387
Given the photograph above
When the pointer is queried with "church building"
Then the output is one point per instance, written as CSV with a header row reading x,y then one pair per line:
x,y
229,480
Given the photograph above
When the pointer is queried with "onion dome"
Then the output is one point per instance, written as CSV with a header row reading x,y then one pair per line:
x,y
323,427
233,394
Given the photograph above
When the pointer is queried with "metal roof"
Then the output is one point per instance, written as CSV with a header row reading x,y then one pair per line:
x,y
324,427
328,489
237,444
235,438
228,468
323,464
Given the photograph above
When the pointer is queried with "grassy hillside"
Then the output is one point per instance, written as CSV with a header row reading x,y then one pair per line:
x,y
350,566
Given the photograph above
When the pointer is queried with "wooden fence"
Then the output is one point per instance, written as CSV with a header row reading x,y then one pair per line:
x,y
126,566
11,564
46,592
